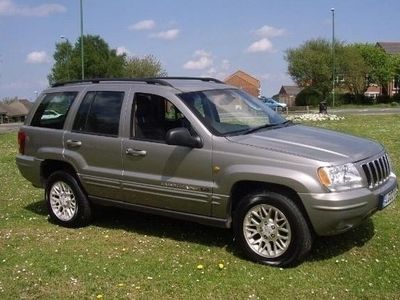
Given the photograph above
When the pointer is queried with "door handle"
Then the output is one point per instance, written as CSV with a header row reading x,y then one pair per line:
x,y
135,152
74,144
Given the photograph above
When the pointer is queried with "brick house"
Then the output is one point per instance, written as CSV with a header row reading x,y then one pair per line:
x,y
391,48
245,82
287,94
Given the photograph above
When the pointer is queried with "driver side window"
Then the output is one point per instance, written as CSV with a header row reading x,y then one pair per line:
x,y
153,116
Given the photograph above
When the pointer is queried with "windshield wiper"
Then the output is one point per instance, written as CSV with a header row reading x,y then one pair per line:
x,y
273,125
287,123
268,125
251,130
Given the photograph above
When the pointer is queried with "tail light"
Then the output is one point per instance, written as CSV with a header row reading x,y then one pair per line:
x,y
21,141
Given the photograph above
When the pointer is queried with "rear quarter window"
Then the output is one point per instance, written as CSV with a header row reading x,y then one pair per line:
x,y
53,110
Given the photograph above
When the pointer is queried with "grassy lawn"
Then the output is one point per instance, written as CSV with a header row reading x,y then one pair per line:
x,y
129,255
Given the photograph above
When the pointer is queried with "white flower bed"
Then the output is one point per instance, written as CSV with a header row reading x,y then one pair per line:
x,y
314,117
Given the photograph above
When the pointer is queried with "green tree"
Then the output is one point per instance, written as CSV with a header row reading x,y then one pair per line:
x,y
352,69
396,67
310,65
149,66
380,65
100,61
308,96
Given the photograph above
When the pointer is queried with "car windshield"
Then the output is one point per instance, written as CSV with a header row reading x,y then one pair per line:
x,y
231,111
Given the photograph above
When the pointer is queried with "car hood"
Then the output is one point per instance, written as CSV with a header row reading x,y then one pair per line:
x,y
310,142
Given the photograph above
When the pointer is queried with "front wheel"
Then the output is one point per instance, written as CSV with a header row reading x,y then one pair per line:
x,y
66,201
271,229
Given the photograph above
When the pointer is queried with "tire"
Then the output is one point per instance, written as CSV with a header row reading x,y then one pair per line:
x,y
66,201
284,239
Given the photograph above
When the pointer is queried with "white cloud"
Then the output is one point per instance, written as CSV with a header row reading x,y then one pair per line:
x,y
225,64
122,50
263,45
269,32
143,25
37,57
170,34
201,60
201,52
212,71
220,70
10,8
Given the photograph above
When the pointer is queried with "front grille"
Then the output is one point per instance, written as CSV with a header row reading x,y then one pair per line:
x,y
377,171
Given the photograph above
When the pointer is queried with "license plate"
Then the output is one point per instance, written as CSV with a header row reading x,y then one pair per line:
x,y
388,198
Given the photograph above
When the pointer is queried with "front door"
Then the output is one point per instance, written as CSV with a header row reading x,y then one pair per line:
x,y
159,175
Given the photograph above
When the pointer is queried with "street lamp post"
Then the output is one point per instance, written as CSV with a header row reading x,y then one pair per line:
x,y
68,55
82,51
333,56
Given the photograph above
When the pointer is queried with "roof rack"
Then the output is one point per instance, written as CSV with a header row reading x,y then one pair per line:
x,y
158,81
208,79
153,80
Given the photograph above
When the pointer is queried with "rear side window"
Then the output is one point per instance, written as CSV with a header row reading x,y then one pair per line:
x,y
99,113
53,110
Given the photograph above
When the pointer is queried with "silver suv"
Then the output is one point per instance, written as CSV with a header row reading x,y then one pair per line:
x,y
200,150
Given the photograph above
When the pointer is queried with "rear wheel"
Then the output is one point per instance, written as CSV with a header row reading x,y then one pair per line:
x,y
66,201
271,229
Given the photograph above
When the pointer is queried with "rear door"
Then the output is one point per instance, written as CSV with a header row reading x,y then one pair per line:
x,y
93,143
160,175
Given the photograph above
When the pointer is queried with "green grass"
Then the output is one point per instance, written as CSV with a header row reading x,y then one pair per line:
x,y
134,256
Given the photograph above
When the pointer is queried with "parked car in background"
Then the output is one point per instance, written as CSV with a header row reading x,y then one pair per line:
x,y
273,104
50,114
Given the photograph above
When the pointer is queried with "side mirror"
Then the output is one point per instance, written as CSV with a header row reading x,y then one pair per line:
x,y
182,137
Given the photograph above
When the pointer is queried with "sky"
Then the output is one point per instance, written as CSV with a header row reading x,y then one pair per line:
x,y
212,38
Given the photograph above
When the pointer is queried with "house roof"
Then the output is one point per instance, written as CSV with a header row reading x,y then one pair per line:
x,y
290,90
28,104
14,109
3,109
390,47
246,77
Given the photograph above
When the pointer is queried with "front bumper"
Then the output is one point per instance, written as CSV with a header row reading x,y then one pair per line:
x,y
333,213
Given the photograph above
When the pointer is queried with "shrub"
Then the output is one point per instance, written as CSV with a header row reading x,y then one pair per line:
x,y
383,99
394,104
309,96
339,99
396,98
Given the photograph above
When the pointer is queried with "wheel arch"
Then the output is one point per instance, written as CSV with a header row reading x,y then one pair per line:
x,y
242,188
49,166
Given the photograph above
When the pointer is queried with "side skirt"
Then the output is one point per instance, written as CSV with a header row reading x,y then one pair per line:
x,y
210,221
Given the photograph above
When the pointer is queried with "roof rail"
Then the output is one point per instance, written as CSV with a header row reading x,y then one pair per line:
x,y
208,79
158,81
150,80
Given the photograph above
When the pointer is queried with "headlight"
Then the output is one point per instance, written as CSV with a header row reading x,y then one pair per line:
x,y
339,178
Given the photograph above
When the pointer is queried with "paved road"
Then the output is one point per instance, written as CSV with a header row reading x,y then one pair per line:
x,y
366,111
9,127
